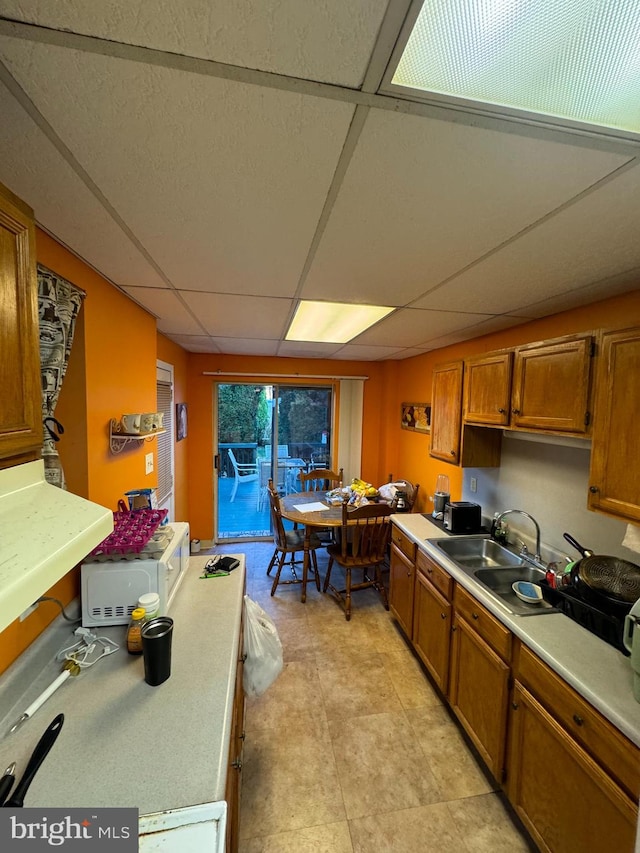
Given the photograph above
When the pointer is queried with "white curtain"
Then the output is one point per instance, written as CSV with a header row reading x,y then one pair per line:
x,y
350,427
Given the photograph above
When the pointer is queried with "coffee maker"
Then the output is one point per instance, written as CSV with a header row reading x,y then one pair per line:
x,y
441,497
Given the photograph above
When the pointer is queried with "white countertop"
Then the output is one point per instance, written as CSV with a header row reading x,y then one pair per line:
x,y
597,670
123,742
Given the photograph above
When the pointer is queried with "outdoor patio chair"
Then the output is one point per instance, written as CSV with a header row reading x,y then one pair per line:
x,y
244,472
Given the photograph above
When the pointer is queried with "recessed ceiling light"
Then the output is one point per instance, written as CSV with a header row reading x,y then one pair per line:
x,y
333,322
573,61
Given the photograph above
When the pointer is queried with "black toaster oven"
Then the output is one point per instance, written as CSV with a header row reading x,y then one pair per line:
x,y
462,517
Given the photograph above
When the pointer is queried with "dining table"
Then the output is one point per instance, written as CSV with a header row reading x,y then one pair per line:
x,y
312,509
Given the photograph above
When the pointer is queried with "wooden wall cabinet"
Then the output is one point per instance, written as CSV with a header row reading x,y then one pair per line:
x,y
402,571
479,678
468,446
487,389
559,743
432,618
21,410
551,385
614,483
540,386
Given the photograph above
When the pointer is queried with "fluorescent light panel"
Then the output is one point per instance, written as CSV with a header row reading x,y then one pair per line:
x,y
577,60
333,322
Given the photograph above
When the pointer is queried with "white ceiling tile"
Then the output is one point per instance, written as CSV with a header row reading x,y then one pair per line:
x,y
594,238
411,327
246,346
34,170
231,316
307,349
173,316
423,198
615,286
194,343
222,182
357,352
329,41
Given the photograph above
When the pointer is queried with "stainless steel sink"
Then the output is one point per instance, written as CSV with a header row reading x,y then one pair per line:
x,y
478,553
495,568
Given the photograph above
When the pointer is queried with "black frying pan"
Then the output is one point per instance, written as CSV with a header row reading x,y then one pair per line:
x,y
613,577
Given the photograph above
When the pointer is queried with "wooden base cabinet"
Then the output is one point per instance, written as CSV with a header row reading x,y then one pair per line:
x,y
566,801
236,746
402,571
432,628
479,693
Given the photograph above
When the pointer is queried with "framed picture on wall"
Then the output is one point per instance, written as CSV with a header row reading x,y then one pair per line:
x,y
416,417
181,421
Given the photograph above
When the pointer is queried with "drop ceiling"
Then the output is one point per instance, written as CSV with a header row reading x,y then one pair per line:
x,y
220,161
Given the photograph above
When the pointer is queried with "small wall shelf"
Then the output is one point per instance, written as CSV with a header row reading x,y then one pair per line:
x,y
118,439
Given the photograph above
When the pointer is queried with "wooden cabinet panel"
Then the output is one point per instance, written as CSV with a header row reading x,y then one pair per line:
x,y
479,693
403,543
487,389
614,485
20,412
236,747
432,630
563,798
401,589
446,412
551,382
611,749
442,580
488,627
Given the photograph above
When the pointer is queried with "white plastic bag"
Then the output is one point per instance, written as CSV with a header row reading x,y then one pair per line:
x,y
262,647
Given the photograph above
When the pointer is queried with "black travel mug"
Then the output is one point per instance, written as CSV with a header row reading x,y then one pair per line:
x,y
156,649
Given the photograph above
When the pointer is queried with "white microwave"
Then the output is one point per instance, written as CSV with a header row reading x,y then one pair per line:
x,y
110,590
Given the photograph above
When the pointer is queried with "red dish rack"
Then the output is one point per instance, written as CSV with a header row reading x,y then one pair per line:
x,y
132,531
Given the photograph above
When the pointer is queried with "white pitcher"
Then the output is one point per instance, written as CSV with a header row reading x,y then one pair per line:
x,y
631,638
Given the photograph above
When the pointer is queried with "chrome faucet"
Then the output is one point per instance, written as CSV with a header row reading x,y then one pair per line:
x,y
501,515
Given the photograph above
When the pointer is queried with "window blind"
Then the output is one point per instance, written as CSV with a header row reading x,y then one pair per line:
x,y
165,441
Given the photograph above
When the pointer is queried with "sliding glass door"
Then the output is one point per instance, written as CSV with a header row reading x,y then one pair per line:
x,y
248,417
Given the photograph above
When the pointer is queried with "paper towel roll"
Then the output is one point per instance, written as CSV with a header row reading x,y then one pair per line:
x,y
632,538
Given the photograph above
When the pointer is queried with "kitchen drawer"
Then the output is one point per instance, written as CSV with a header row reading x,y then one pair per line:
x,y
442,581
403,543
609,747
487,626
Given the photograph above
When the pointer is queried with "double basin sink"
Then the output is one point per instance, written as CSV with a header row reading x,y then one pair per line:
x,y
496,568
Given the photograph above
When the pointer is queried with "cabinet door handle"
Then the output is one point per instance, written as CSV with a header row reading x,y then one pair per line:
x,y
453,453
594,489
429,570
577,719
237,764
242,736
443,615
454,628
501,411
515,706
515,411
243,658
474,616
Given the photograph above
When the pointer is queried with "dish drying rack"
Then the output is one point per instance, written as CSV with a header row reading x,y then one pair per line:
x,y
136,535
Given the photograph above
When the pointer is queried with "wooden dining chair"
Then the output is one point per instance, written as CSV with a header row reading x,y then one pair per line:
x,y
364,539
320,480
289,543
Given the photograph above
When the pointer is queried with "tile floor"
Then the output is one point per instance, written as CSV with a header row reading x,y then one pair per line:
x,y
351,750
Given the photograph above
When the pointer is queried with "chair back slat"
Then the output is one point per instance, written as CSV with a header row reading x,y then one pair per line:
x,y
320,480
279,536
366,532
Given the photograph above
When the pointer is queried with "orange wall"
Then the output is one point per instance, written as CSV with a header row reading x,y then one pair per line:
x,y
414,379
